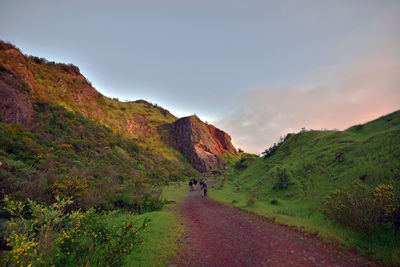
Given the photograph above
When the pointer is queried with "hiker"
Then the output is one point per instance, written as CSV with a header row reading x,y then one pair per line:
x,y
201,184
191,185
195,184
205,189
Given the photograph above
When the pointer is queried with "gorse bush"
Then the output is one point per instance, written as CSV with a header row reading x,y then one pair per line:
x,y
41,235
69,186
89,239
32,230
360,208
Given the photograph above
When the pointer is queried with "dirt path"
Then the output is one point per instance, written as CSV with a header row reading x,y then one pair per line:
x,y
219,235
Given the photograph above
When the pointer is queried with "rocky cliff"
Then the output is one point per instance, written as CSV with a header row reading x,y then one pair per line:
x,y
200,143
15,104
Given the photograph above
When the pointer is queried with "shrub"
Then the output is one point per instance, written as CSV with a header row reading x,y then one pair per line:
x,y
282,179
89,239
361,209
148,202
41,235
274,202
241,164
69,186
251,200
30,239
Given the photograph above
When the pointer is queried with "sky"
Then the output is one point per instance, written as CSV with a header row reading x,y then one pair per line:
x,y
255,69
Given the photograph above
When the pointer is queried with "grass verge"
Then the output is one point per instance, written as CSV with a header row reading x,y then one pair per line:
x,y
164,228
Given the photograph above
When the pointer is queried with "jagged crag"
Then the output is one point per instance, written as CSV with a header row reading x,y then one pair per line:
x,y
200,143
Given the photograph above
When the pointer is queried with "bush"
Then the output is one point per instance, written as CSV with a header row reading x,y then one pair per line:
x,y
282,179
251,200
89,239
148,202
241,164
41,235
31,239
362,209
69,186
274,202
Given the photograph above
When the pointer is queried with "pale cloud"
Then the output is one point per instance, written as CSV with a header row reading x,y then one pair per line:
x,y
362,85
368,89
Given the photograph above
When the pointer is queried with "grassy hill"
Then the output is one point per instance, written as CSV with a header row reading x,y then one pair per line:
x,y
76,159
292,181
64,85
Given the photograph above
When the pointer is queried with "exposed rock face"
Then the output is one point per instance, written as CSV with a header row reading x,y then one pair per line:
x,y
138,125
200,143
15,103
20,69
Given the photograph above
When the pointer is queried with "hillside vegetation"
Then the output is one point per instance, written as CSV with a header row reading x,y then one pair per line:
x,y
70,160
343,184
64,85
60,181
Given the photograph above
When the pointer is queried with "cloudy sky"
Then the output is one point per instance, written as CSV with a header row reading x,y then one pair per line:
x,y
256,69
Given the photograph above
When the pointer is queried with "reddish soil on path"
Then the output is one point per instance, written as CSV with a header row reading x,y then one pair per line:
x,y
219,235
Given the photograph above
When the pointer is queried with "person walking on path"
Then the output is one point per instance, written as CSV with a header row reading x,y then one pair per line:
x,y
195,184
205,188
191,185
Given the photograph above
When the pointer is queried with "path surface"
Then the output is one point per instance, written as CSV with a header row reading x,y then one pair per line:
x,y
219,235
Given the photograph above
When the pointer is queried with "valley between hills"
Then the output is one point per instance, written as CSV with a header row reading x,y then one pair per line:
x,y
90,180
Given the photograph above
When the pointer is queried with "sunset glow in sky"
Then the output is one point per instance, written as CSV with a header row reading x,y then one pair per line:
x,y
255,69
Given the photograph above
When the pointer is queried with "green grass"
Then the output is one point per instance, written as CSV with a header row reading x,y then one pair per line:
x,y
313,164
164,228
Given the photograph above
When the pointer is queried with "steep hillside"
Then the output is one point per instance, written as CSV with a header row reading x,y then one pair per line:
x,y
68,155
56,138
65,86
300,179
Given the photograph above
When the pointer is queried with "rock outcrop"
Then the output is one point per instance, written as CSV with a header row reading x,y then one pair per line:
x,y
200,143
15,103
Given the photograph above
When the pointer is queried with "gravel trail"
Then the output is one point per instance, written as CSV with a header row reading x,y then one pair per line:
x,y
219,235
